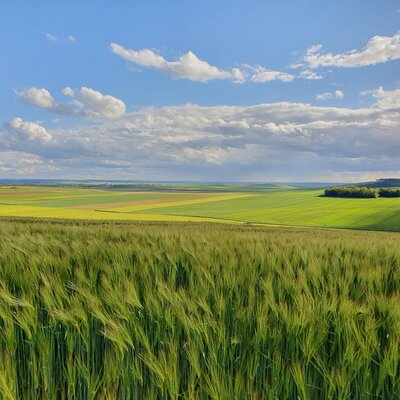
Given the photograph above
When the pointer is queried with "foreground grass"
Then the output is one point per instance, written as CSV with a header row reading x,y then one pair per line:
x,y
197,311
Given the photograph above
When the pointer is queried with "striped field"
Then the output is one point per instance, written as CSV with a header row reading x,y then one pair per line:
x,y
273,206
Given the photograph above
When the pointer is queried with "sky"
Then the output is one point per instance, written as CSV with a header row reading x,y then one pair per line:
x,y
255,91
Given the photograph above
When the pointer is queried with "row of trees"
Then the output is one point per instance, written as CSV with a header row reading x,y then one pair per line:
x,y
360,192
389,192
351,191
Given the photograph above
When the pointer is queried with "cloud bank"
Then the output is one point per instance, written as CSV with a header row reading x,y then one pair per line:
x,y
275,141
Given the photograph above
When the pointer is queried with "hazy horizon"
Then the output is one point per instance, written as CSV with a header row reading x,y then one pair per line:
x,y
200,182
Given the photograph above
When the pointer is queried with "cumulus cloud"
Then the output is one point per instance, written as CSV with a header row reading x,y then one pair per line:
x,y
94,104
38,97
337,94
188,66
265,141
29,130
379,49
86,102
71,38
385,99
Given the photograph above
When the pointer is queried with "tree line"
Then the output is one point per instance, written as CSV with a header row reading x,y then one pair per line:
x,y
360,192
389,192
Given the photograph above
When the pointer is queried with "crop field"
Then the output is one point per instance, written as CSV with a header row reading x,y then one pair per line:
x,y
300,207
241,204
131,310
100,204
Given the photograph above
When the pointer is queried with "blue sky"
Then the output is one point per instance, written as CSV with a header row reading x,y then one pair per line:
x,y
200,90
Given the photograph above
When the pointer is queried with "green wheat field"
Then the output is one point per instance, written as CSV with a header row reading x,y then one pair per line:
x,y
163,310
189,292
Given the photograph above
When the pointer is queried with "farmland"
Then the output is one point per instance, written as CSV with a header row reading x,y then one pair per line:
x,y
219,203
160,310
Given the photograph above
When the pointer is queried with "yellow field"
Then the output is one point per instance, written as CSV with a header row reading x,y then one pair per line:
x,y
102,204
50,212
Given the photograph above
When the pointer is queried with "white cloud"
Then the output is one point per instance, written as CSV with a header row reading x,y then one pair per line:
x,y
71,38
86,103
262,75
310,75
188,66
67,91
38,97
18,163
337,94
51,38
264,141
379,49
29,130
94,104
385,99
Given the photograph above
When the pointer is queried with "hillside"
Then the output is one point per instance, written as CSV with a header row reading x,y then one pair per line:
x,y
382,183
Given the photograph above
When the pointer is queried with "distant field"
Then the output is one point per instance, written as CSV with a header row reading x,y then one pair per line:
x,y
264,205
302,208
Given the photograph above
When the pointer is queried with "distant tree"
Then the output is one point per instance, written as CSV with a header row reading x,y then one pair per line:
x,y
351,192
389,192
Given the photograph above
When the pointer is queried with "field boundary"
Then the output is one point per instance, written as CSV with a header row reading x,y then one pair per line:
x,y
210,220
